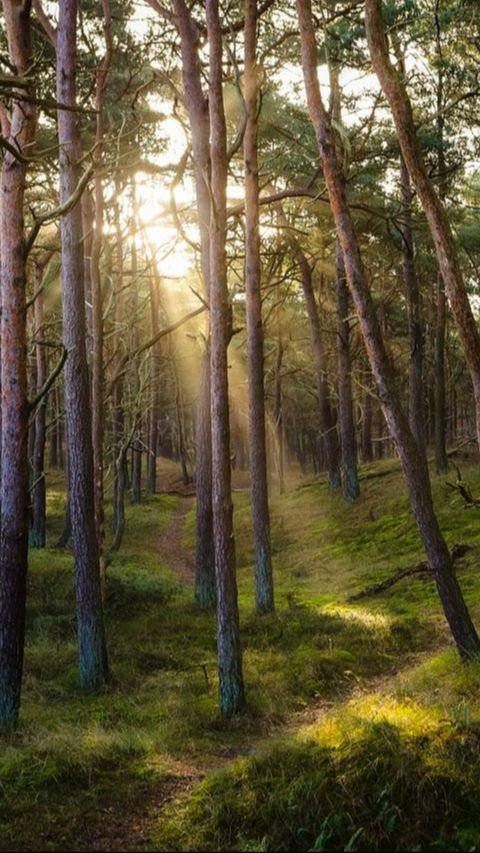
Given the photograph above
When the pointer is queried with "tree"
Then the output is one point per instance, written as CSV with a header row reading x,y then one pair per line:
x,y
18,130
228,632
258,450
413,463
92,654
448,262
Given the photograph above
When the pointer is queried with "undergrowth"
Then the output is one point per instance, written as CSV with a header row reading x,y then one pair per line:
x,y
363,780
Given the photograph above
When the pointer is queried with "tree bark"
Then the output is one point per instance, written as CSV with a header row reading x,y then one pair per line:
x,y
90,627
413,463
264,597
228,631
396,93
346,421
20,134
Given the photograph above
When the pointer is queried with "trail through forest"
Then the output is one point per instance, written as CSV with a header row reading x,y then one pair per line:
x,y
171,547
134,826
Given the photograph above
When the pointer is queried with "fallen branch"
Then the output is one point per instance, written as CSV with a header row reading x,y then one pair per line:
x,y
422,568
463,489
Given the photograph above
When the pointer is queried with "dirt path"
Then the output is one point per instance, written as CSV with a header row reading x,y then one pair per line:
x,y
171,548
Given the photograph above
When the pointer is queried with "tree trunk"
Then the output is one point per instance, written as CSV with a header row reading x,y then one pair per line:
x,y
19,130
38,494
327,419
413,463
395,91
197,108
416,405
205,588
154,392
441,458
346,421
136,483
228,630
264,598
367,446
90,627
279,420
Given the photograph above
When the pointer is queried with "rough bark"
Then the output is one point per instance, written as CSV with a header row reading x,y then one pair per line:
x,y
90,627
264,597
231,690
14,409
413,463
394,88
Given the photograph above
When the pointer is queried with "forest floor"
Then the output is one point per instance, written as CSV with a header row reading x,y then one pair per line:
x,y
362,729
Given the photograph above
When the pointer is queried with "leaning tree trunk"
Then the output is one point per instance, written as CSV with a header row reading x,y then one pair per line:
x,y
413,462
231,691
90,627
19,131
264,599
447,256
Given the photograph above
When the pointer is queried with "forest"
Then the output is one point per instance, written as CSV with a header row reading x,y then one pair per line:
x,y
240,425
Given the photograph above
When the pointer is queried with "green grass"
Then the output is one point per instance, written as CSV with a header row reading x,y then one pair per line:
x,y
79,764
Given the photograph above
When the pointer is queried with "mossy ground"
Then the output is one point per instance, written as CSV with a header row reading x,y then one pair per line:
x,y
386,757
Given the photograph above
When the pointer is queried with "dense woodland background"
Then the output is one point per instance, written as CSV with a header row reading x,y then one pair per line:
x,y
240,268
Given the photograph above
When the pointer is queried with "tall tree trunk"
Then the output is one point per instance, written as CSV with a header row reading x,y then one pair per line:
x,y
346,421
136,482
19,130
38,495
120,465
327,419
441,458
279,419
367,446
413,462
416,405
228,630
90,627
264,598
154,391
98,403
205,587
197,108
396,93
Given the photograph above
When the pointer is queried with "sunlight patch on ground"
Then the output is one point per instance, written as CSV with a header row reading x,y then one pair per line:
x,y
360,615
